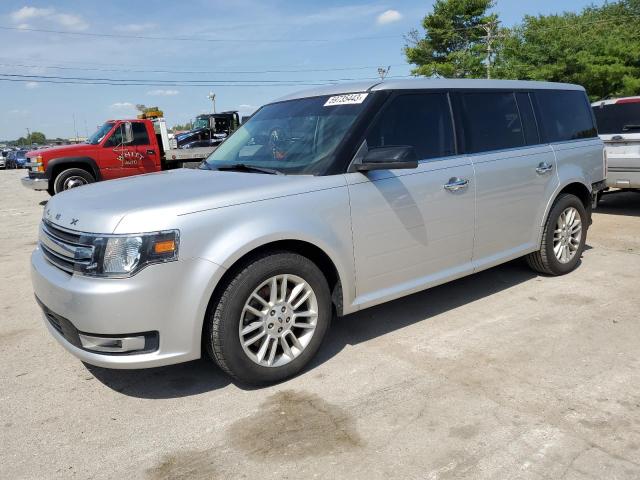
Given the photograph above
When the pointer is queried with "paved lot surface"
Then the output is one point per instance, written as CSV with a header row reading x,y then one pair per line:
x,y
502,375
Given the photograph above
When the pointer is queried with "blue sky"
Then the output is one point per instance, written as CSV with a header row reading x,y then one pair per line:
x,y
348,39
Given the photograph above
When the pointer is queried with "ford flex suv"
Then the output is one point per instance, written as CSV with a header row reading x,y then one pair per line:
x,y
325,202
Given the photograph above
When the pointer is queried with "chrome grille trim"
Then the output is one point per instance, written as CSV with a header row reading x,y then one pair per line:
x,y
64,249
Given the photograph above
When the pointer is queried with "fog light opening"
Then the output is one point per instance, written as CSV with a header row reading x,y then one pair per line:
x,y
112,344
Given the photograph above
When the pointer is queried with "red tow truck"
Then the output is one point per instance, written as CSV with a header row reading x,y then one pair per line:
x,y
119,148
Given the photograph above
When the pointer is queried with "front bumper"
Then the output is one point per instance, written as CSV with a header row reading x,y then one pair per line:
x,y
170,299
35,183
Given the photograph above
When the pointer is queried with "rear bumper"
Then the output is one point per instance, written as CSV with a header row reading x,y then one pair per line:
x,y
623,177
35,183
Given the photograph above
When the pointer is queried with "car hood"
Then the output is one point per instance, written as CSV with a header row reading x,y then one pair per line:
x,y
54,152
152,202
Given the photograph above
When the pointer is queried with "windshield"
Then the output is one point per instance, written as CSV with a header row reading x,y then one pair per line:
x,y
295,137
97,137
618,118
200,123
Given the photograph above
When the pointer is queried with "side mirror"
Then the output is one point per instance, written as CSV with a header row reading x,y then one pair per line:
x,y
127,133
388,158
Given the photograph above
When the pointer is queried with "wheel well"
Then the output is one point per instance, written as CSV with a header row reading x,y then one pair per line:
x,y
64,166
306,249
580,191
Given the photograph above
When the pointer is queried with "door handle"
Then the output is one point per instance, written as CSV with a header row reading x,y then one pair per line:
x,y
617,138
151,152
543,168
456,184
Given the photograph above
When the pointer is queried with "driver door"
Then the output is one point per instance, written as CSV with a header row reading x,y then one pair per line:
x,y
117,157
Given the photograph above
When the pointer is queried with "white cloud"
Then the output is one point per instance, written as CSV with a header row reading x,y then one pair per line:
x,y
135,27
48,15
245,107
163,93
389,16
122,106
31,85
27,13
20,112
72,22
24,26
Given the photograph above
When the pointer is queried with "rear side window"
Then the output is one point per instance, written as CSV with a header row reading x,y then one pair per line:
x,y
623,117
422,121
140,135
565,115
491,121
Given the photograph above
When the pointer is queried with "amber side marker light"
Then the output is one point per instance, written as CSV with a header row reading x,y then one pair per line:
x,y
165,246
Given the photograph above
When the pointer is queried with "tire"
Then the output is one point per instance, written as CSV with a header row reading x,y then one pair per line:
x,y
71,178
222,332
545,260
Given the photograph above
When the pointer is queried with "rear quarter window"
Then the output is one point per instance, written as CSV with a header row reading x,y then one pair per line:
x,y
565,115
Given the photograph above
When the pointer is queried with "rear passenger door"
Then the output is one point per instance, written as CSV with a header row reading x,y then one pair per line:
x,y
515,173
409,230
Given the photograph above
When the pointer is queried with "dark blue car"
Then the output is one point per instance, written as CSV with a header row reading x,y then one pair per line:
x,y
16,159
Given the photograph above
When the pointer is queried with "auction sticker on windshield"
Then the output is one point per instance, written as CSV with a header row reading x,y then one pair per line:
x,y
348,99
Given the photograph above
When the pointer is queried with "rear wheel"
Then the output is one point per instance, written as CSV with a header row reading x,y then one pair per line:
x,y
563,237
71,178
270,319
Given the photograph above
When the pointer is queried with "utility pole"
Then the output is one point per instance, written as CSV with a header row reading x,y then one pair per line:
x,y
490,30
28,140
75,130
212,97
383,72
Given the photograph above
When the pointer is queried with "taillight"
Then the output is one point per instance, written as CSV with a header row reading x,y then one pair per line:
x,y
628,100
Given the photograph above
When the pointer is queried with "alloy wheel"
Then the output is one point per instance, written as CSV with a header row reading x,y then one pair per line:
x,y
278,320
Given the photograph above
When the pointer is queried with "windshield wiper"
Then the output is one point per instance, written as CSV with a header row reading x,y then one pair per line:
x,y
243,167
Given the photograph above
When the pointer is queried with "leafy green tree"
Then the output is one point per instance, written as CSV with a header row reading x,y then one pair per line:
x,y
37,137
186,126
598,48
454,43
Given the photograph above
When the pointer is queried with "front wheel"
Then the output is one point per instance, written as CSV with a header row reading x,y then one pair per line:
x,y
563,237
71,178
270,319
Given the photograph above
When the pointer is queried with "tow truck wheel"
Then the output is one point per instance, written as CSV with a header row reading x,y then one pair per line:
x,y
71,178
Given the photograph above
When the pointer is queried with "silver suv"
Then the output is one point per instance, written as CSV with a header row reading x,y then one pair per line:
x,y
618,122
325,202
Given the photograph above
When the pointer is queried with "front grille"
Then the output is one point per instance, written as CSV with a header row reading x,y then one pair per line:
x,y
64,248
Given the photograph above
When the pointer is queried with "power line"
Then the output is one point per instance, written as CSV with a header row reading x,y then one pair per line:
x,y
80,82
193,39
195,72
176,82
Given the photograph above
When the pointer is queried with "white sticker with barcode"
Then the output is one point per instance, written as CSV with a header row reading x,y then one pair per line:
x,y
347,99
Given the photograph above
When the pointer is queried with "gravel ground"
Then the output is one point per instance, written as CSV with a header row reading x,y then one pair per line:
x,y
501,375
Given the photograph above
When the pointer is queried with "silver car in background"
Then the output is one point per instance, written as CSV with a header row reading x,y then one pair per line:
x,y
325,202
618,122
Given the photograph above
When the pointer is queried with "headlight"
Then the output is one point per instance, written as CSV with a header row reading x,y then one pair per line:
x,y
125,255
